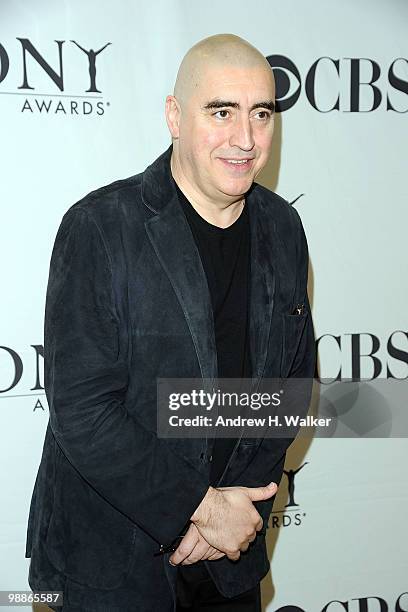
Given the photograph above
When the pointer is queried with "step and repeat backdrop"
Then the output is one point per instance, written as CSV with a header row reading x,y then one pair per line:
x,y
82,90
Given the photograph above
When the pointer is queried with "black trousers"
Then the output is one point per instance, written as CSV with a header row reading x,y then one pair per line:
x,y
196,592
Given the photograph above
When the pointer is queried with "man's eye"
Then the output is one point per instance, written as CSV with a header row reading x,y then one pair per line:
x,y
265,115
222,111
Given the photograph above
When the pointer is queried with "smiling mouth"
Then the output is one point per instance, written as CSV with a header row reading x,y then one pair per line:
x,y
239,164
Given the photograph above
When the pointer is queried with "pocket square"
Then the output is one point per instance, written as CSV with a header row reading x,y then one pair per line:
x,y
299,309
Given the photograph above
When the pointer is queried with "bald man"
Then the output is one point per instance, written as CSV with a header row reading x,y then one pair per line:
x,y
189,269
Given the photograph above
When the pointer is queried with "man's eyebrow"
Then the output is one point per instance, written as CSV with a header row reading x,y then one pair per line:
x,y
217,103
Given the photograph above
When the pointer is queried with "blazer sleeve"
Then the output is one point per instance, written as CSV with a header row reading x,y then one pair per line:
x,y
86,378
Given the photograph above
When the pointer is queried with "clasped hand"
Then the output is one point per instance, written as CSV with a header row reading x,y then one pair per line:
x,y
225,523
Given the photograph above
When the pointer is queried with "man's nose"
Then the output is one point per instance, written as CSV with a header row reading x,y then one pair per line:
x,y
242,134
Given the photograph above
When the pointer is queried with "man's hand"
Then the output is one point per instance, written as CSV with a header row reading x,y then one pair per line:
x,y
194,548
227,518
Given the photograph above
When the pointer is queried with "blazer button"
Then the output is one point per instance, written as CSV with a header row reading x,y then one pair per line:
x,y
210,458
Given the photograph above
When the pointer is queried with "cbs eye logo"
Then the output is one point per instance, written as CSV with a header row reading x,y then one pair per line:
x,y
286,74
349,84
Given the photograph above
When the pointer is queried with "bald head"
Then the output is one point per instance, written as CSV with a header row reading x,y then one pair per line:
x,y
216,51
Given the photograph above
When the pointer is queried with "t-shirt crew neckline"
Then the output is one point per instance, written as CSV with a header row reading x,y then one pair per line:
x,y
210,227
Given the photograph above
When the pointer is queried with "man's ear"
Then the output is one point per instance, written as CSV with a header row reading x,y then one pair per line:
x,y
173,112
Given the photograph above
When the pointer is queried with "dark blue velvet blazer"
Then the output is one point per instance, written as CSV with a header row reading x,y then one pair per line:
x,y
127,302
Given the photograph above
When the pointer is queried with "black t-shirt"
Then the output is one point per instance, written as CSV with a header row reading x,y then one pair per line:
x,y
225,255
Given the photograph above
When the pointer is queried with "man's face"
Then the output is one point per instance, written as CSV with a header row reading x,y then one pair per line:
x,y
225,131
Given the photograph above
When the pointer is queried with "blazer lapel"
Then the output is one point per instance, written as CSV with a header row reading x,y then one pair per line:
x,y
175,247
262,281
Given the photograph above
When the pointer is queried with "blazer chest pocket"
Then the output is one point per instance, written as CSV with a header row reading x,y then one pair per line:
x,y
292,328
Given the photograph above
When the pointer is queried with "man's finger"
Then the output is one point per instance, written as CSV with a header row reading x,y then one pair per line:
x,y
210,552
244,547
186,546
234,556
216,555
199,552
260,493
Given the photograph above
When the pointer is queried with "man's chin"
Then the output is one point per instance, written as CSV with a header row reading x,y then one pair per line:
x,y
237,190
